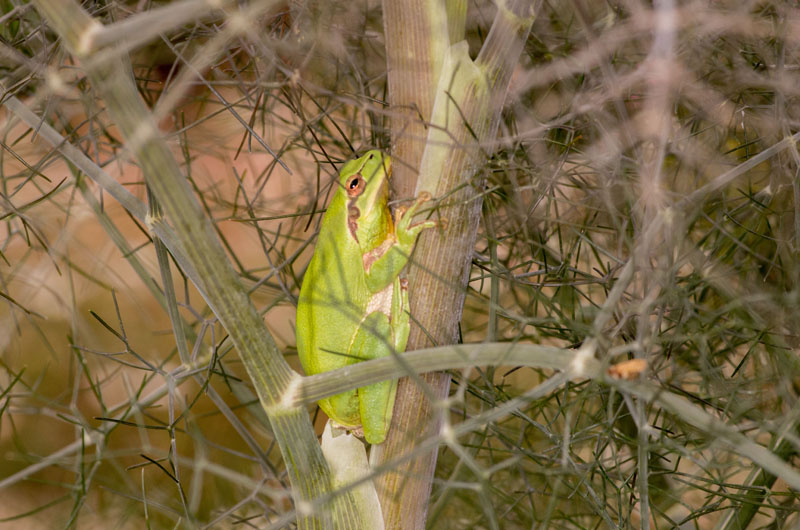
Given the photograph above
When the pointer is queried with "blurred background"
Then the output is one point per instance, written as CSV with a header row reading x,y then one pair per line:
x,y
645,145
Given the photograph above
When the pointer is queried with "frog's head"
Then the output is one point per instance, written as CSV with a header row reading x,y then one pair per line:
x,y
365,183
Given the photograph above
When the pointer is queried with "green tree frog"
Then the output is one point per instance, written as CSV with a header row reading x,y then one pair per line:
x,y
353,302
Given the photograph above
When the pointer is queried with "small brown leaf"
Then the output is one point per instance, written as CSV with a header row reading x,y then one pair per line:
x,y
629,369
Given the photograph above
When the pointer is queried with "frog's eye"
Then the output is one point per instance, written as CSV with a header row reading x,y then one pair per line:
x,y
355,186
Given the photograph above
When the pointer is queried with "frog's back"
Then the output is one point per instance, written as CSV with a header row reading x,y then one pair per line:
x,y
333,300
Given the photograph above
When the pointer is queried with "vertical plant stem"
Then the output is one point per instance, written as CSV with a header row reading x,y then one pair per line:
x,y
417,38
464,117
416,35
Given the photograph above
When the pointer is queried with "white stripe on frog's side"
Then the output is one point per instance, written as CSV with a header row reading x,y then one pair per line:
x,y
382,301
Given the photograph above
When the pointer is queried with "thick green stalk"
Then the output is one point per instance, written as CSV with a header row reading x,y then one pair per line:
x,y
272,377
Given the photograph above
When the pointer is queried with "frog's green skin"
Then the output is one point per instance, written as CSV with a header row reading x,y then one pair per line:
x,y
353,304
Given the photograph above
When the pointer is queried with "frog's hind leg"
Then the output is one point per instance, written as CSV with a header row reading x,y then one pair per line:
x,y
375,401
346,401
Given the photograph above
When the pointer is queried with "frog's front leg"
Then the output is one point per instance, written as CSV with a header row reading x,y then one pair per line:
x,y
383,264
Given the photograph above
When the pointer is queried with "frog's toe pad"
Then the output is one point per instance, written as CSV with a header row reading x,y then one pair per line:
x,y
337,429
358,432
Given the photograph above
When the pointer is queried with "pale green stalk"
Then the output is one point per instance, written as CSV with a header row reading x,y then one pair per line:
x,y
216,280
579,364
347,457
